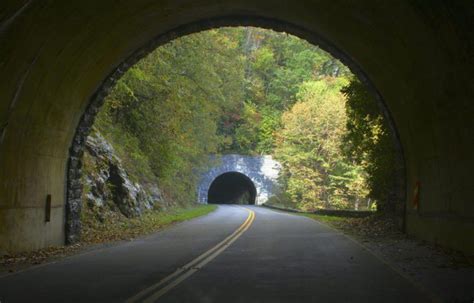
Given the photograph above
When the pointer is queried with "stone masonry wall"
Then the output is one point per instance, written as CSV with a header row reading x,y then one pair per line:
x,y
262,170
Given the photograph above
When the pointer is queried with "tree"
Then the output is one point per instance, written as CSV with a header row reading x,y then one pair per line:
x,y
276,65
368,142
308,145
243,90
170,104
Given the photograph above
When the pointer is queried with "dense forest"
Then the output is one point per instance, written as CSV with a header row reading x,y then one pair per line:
x,y
250,91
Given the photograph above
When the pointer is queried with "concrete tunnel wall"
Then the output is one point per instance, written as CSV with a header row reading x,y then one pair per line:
x,y
54,56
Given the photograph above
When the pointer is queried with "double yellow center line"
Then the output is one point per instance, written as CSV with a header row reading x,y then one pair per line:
x,y
155,291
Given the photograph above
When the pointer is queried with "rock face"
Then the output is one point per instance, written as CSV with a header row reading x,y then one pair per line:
x,y
263,171
108,184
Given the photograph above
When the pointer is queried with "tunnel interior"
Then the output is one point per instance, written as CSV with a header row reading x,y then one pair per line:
x,y
232,188
48,84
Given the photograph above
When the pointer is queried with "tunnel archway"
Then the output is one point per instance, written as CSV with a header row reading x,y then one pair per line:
x,y
232,188
73,202
51,70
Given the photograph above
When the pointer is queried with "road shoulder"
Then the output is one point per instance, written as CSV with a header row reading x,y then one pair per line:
x,y
448,276
14,263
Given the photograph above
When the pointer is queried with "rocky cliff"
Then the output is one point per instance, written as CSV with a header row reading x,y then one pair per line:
x,y
109,188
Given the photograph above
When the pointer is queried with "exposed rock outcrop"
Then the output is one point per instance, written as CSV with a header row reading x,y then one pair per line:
x,y
107,183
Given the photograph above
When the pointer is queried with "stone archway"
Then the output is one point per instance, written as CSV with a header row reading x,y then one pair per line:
x,y
58,55
262,171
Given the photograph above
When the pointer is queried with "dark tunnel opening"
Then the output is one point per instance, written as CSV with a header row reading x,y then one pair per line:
x,y
232,188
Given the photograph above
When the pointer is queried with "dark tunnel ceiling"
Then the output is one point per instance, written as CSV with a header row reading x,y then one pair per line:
x,y
232,188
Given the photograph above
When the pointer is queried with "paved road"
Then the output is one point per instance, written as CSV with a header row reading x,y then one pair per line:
x,y
250,254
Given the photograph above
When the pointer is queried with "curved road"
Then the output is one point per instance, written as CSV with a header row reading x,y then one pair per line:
x,y
235,254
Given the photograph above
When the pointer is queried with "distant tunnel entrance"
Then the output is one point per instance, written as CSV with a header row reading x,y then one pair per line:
x,y
232,188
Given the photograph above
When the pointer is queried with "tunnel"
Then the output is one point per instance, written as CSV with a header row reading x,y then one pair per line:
x,y
232,188
60,58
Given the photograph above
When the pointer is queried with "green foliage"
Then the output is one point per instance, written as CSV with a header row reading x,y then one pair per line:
x,y
316,174
269,123
248,91
165,111
246,134
368,141
276,65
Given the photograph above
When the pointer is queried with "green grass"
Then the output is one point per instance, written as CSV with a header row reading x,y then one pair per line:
x,y
115,227
330,220
180,214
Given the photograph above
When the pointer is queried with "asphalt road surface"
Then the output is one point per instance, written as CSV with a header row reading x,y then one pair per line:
x,y
235,254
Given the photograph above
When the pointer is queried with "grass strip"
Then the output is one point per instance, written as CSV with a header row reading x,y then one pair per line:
x,y
116,229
